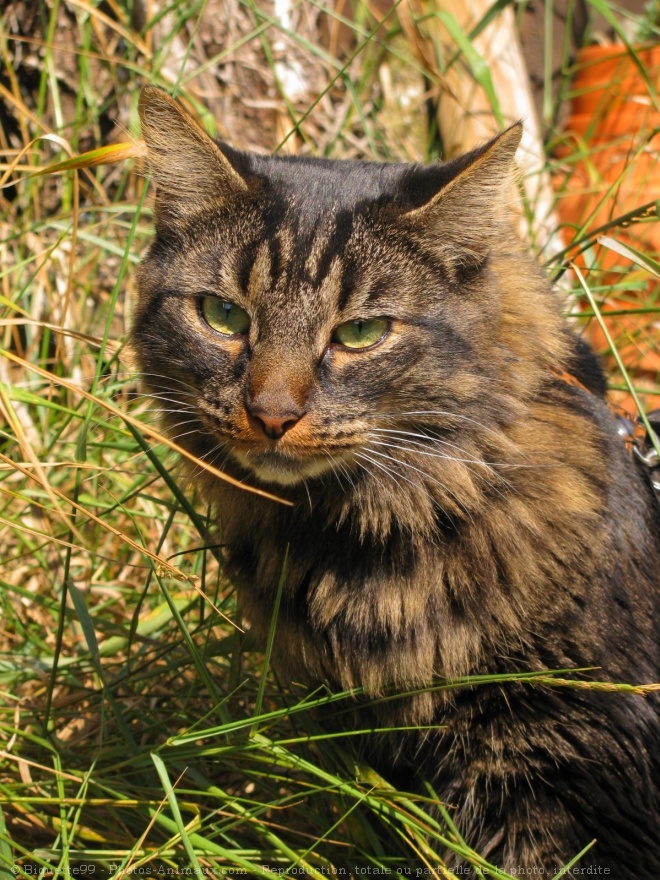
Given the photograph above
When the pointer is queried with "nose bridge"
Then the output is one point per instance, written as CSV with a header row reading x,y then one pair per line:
x,y
280,373
284,356
278,389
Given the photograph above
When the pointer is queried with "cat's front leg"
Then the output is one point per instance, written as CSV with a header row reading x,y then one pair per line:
x,y
533,785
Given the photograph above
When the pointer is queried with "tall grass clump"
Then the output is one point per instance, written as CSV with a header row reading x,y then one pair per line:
x,y
140,731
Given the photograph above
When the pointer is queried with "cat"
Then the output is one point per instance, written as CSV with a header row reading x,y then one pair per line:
x,y
372,343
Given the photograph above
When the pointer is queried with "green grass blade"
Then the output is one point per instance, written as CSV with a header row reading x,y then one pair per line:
x,y
655,440
271,636
632,254
174,807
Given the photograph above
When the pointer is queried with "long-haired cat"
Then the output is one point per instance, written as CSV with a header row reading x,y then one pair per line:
x,y
371,343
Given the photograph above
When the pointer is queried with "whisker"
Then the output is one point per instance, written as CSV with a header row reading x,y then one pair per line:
x,y
168,380
211,457
419,450
445,413
163,411
475,471
402,435
157,395
177,437
338,468
430,437
390,473
425,475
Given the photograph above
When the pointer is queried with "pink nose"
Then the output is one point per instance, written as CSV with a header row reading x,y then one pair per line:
x,y
275,425
275,409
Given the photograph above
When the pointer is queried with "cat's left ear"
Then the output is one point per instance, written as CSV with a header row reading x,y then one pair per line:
x,y
187,166
463,201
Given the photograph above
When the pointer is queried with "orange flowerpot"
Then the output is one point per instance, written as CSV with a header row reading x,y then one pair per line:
x,y
607,76
614,131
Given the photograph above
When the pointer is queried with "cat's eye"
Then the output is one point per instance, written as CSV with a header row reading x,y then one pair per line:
x,y
225,317
361,333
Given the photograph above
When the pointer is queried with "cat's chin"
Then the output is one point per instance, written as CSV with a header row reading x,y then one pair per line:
x,y
281,469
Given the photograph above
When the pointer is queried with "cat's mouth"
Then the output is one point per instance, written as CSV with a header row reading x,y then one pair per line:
x,y
284,468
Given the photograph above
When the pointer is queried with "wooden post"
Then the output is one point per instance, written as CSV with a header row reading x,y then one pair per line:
x,y
468,115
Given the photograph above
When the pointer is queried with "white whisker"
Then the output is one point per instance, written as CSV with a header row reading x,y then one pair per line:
x,y
390,473
426,476
419,450
416,448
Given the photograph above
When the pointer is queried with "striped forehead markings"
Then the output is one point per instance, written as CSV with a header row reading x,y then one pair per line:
x,y
260,274
316,264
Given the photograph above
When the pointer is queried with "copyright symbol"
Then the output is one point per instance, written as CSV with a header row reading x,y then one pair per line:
x,y
15,869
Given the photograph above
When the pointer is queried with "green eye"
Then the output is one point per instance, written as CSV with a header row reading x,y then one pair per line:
x,y
361,334
224,316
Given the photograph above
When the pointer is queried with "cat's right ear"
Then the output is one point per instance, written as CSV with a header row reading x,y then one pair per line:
x,y
187,166
464,200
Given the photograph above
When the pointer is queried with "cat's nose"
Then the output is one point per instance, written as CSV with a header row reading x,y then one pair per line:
x,y
274,417
276,426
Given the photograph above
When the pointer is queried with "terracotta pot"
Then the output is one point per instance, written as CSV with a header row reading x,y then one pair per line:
x,y
607,76
614,131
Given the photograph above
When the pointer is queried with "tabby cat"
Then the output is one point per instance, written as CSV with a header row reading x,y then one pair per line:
x,y
371,343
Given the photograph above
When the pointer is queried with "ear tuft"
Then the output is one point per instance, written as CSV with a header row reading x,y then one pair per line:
x,y
188,167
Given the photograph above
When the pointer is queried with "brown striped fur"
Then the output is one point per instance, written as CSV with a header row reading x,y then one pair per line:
x,y
458,508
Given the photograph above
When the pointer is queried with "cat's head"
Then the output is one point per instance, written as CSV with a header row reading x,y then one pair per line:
x,y
299,317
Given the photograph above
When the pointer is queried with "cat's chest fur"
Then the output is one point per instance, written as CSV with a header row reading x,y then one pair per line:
x,y
526,583
371,344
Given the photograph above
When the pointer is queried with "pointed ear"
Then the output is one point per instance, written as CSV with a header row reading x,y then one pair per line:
x,y
460,216
187,166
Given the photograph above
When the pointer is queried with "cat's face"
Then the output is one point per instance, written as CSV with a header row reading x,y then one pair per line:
x,y
294,316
